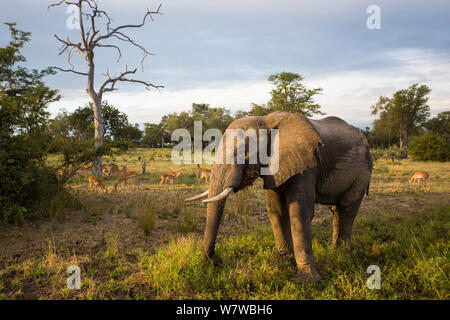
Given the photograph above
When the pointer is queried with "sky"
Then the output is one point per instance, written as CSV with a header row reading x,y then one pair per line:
x,y
221,52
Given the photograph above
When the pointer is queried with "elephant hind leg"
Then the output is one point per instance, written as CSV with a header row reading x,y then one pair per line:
x,y
279,219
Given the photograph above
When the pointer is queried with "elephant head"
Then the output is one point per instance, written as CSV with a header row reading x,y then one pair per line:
x,y
295,152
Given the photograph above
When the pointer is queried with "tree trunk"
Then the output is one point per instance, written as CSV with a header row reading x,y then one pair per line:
x,y
406,138
98,124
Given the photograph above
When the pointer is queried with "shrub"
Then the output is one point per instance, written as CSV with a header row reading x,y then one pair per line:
x,y
392,153
430,147
26,183
395,153
145,215
377,154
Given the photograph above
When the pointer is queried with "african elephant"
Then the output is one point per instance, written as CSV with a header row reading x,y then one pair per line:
x,y
320,161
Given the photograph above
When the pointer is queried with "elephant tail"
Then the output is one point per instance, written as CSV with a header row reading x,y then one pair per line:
x,y
367,190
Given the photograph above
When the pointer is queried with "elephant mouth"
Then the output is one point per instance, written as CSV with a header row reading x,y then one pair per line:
x,y
249,176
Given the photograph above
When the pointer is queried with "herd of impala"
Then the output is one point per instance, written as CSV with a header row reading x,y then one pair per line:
x,y
202,173
124,175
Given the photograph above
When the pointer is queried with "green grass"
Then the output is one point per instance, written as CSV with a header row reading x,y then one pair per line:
x,y
144,242
411,249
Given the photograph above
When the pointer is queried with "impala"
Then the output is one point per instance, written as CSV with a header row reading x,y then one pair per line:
x,y
203,173
114,169
419,175
96,182
125,176
169,176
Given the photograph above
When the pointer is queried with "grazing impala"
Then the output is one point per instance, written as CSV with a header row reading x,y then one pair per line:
x,y
419,175
203,173
169,176
96,182
125,176
114,169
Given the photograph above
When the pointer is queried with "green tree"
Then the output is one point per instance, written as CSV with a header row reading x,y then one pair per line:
x,y
291,95
405,113
430,146
129,133
439,124
155,135
115,123
24,140
385,132
218,118
260,109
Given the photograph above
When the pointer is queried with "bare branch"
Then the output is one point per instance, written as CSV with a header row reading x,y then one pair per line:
x,y
115,30
112,46
92,39
67,43
61,2
112,82
71,70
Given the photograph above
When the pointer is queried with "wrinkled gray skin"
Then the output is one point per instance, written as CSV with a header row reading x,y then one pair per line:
x,y
339,178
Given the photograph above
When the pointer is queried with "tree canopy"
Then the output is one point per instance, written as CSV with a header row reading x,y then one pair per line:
x,y
439,124
403,114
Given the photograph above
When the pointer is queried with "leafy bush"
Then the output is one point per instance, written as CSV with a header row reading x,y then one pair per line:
x,y
377,154
430,146
395,153
392,153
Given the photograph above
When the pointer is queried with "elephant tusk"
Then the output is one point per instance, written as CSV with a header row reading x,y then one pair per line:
x,y
200,196
221,196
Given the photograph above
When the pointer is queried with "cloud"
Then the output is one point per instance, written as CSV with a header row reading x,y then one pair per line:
x,y
346,94
221,52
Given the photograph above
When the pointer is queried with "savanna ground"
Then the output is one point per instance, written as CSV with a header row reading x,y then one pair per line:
x,y
143,242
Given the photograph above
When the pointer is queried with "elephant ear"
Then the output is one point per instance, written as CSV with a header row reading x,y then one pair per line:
x,y
298,146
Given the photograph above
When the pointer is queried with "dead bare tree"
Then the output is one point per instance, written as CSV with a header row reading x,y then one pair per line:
x,y
89,15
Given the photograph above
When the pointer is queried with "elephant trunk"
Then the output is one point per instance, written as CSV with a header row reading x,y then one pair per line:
x,y
222,177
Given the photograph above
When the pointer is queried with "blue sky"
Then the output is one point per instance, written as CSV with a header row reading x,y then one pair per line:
x,y
221,52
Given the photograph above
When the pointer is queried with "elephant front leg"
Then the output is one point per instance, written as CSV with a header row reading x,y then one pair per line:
x,y
279,219
300,213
